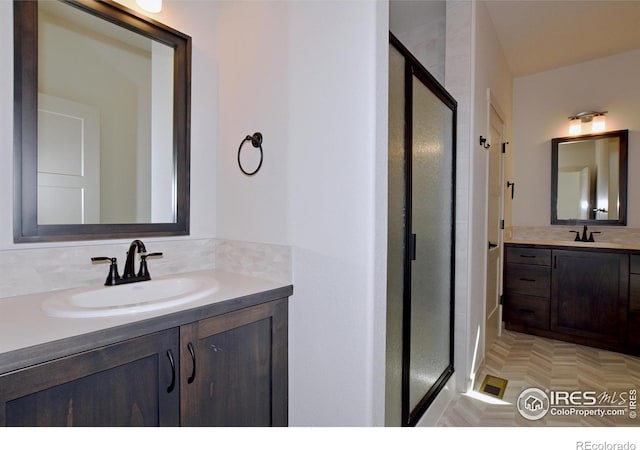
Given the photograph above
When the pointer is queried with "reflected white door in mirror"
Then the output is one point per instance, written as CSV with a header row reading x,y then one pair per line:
x,y
68,162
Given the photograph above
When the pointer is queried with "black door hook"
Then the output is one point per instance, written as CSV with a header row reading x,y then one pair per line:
x,y
512,185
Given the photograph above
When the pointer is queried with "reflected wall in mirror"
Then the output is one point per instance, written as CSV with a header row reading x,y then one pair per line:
x,y
102,99
589,179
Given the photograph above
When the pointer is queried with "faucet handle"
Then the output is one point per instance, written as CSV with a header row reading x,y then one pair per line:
x,y
102,258
143,271
577,235
113,276
591,235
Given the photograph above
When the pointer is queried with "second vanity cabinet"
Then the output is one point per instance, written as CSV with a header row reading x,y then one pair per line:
x,y
581,295
225,370
527,284
589,295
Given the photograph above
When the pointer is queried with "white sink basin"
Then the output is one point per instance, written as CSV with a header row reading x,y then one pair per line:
x,y
130,298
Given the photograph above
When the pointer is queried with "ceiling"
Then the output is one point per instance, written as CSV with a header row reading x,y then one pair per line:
x,y
540,35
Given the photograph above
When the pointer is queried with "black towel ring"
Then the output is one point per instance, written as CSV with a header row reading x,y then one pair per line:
x,y
256,141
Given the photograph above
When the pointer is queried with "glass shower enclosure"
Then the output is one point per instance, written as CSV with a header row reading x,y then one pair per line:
x,y
422,126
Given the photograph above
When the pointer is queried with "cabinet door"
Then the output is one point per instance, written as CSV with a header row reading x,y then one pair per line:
x,y
234,368
125,384
589,294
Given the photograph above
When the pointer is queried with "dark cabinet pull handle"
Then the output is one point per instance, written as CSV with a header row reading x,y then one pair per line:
x,y
193,359
555,261
527,256
173,371
528,279
527,311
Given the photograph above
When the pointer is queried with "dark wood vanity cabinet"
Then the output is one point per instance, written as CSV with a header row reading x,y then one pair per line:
x,y
527,285
234,368
124,384
588,296
224,370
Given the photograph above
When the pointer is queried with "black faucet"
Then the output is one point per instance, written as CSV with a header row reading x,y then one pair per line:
x,y
584,235
129,275
138,245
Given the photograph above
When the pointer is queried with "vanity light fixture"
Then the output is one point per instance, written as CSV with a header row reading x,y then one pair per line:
x,y
595,117
152,6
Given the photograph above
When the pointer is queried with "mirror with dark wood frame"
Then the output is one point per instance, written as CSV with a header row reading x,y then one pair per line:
x,y
589,179
50,149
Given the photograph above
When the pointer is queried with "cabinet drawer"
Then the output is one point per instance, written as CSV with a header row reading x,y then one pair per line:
x,y
634,292
526,255
528,280
635,264
527,310
634,330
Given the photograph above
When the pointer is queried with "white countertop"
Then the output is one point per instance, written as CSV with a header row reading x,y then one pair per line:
x,y
24,324
611,245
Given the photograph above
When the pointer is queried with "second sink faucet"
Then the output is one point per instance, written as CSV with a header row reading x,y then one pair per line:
x,y
584,235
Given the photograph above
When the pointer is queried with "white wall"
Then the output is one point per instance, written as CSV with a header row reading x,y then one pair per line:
x,y
254,69
6,124
333,99
491,72
541,105
469,73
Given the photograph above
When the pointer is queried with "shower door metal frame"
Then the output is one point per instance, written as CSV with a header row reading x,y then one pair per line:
x,y
413,67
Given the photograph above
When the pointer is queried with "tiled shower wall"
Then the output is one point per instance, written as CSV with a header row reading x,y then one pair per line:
x,y
28,271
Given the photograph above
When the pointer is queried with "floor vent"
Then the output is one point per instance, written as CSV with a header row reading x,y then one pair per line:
x,y
494,386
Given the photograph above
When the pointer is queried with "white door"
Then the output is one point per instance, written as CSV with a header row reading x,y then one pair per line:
x,y
494,232
68,162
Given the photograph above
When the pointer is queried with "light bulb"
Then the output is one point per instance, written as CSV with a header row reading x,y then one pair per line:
x,y
575,126
598,124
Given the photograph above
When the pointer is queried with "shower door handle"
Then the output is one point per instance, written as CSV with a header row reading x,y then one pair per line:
x,y
412,247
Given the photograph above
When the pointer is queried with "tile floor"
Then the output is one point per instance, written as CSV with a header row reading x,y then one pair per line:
x,y
530,361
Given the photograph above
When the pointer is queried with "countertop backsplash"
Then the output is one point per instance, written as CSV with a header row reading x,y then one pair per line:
x,y
33,270
615,235
269,261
